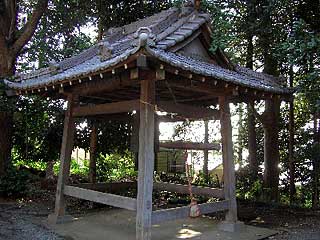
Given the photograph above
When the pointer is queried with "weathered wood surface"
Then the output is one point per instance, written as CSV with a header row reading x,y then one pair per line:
x,y
206,152
99,197
108,108
179,188
161,186
134,141
190,145
188,110
146,160
184,212
168,118
108,187
65,157
93,153
228,163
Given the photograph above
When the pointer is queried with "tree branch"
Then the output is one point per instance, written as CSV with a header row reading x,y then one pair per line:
x,y
30,27
13,21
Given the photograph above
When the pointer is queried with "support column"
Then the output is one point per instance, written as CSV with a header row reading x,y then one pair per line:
x,y
146,160
231,220
65,158
93,153
156,141
206,152
135,139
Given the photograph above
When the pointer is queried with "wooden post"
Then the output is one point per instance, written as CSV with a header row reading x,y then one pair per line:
x,y
93,153
65,158
135,138
206,152
228,164
156,141
146,161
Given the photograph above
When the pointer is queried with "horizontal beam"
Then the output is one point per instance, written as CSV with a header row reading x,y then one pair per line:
x,y
190,145
168,118
107,108
99,197
107,187
188,111
179,188
184,212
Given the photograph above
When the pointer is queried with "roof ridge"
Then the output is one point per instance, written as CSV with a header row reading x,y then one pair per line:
x,y
115,34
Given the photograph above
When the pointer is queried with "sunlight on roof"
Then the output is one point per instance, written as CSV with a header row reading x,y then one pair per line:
x,y
187,233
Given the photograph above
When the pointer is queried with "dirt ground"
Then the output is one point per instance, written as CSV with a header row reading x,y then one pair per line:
x,y
23,219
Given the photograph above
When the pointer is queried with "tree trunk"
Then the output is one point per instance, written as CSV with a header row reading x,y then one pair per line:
x,y
271,149
240,135
6,124
252,142
12,40
49,170
252,135
291,143
206,152
272,108
7,62
315,164
93,154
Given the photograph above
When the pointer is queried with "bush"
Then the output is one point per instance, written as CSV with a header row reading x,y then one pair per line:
x,y
115,167
248,187
15,183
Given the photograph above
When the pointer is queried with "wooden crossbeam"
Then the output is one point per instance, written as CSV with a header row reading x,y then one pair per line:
x,y
179,188
184,212
107,108
162,186
108,187
188,111
168,118
99,197
190,145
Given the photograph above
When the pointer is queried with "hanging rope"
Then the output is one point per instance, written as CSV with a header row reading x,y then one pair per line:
x,y
194,208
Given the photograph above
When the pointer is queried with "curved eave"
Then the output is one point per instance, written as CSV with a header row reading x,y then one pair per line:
x,y
78,74
215,73
181,65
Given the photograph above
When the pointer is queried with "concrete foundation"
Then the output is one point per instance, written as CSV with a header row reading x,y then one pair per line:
x,y
119,224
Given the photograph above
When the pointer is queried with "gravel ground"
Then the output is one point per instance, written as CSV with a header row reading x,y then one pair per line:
x,y
292,224
22,223
25,221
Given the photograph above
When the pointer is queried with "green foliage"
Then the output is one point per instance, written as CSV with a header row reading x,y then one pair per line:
x,y
37,165
115,167
15,183
201,180
38,129
247,186
79,169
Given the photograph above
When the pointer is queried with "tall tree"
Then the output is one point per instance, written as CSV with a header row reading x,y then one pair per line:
x,y
252,135
14,35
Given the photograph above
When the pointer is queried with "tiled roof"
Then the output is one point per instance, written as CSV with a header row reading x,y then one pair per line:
x,y
165,30
241,76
